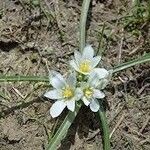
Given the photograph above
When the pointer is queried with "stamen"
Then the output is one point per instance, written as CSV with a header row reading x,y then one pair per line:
x,y
85,66
88,92
68,92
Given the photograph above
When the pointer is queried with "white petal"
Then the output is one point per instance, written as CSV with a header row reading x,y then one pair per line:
x,y
98,94
53,94
88,52
74,65
71,81
93,79
103,83
95,61
77,56
71,104
56,79
57,108
94,105
85,101
78,94
101,73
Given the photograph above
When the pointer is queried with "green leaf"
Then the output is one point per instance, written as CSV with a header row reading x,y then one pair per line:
x,y
132,63
105,127
83,19
4,78
62,131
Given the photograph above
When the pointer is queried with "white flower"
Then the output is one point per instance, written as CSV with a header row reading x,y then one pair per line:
x,y
65,92
85,63
91,92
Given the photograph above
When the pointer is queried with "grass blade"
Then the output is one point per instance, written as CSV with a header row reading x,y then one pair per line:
x,y
62,131
132,63
4,78
84,13
105,127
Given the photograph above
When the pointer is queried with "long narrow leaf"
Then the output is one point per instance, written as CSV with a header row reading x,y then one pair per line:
x,y
4,78
132,63
62,131
84,13
105,127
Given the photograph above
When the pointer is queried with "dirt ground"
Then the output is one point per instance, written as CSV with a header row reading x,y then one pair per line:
x,y
35,37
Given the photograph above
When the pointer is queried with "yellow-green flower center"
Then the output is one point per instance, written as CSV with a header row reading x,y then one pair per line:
x,y
85,66
68,92
88,92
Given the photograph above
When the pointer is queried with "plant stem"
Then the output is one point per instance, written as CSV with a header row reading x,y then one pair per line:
x,y
105,128
83,19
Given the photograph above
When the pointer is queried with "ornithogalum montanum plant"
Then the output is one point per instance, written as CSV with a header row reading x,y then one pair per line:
x,y
87,89
84,87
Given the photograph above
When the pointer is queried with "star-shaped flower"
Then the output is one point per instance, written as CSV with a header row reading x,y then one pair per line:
x,y
65,92
85,63
92,91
